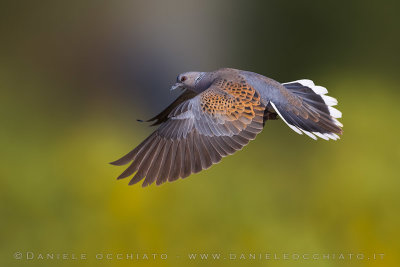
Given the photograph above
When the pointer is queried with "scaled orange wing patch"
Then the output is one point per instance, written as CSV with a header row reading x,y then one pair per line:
x,y
239,101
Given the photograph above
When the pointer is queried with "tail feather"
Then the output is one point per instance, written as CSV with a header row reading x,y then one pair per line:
x,y
316,117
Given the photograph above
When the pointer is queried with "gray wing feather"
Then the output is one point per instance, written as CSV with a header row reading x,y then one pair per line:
x,y
189,141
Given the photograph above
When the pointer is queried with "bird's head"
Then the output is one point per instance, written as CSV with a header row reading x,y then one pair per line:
x,y
188,80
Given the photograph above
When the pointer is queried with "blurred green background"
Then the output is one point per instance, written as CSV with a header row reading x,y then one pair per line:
x,y
75,76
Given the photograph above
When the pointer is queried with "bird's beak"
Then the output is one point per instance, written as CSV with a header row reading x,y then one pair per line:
x,y
176,86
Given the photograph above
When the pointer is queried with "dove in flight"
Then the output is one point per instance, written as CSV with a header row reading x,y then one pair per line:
x,y
217,114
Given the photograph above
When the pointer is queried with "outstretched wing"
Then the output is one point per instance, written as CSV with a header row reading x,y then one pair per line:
x,y
198,133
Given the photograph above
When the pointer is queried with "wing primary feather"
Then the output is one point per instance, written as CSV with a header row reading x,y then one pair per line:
x,y
183,156
131,155
145,162
196,163
138,159
214,155
176,164
155,165
204,152
165,172
199,154
159,175
187,161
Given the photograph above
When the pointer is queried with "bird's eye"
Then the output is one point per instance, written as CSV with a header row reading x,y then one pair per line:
x,y
183,78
